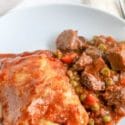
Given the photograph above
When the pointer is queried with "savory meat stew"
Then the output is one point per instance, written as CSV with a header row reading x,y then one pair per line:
x,y
81,83
96,69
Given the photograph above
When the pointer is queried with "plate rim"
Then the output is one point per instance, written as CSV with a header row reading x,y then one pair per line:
x,y
16,11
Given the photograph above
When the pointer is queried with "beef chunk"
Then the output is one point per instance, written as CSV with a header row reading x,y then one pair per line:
x,y
99,63
121,45
108,41
122,75
69,40
115,95
91,82
120,110
83,39
116,58
95,67
83,61
99,39
93,52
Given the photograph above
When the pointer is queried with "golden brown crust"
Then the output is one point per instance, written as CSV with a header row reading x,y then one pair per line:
x,y
34,88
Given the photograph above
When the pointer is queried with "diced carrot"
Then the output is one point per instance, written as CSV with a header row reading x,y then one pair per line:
x,y
109,123
122,81
91,100
68,58
99,64
110,39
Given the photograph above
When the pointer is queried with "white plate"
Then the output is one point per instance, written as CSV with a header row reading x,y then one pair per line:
x,y
37,27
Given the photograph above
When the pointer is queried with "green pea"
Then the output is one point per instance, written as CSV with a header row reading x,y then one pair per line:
x,y
77,78
79,90
109,81
74,83
58,54
106,71
102,47
70,73
95,107
107,118
91,122
75,73
82,97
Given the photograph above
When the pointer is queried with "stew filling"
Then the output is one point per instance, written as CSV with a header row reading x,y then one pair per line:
x,y
96,69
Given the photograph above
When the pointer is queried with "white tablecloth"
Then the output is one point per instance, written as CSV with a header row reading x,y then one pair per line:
x,y
110,6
